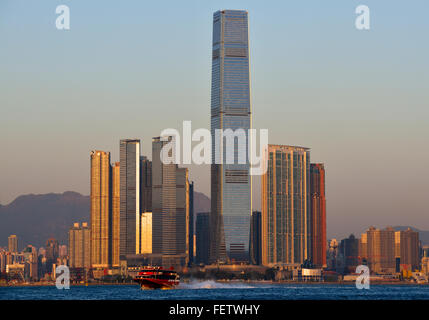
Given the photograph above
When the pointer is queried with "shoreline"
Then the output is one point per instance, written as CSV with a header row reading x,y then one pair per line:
x,y
309,283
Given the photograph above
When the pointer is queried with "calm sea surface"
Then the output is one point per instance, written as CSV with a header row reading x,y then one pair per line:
x,y
207,290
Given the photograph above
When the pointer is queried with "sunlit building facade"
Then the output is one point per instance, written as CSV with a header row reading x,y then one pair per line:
x,y
100,208
286,220
80,246
407,249
12,243
146,233
115,220
377,250
231,187
318,214
425,260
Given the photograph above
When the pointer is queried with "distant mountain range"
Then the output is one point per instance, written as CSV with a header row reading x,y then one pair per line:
x,y
35,218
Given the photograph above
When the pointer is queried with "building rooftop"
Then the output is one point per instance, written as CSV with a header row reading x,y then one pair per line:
x,y
281,146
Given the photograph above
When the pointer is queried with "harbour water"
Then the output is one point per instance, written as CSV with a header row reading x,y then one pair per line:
x,y
211,290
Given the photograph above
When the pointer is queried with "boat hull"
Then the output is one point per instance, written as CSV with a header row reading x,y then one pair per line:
x,y
156,284
151,277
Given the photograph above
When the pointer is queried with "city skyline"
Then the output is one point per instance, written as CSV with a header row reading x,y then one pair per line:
x,y
346,124
242,154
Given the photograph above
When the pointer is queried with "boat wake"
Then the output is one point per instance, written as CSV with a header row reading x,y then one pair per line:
x,y
211,284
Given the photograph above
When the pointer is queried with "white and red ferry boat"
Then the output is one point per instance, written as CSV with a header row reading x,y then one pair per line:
x,y
157,278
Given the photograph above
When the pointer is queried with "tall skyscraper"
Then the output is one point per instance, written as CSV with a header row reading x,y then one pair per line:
x,y
115,216
170,205
202,237
231,186
318,214
286,220
129,197
256,238
13,243
407,248
100,208
80,246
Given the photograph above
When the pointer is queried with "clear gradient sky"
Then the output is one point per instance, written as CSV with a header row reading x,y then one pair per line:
x,y
128,69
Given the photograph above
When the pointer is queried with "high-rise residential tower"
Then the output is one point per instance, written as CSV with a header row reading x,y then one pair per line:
x,y
13,243
377,248
115,216
407,248
80,246
286,221
318,214
170,207
231,187
129,150
100,208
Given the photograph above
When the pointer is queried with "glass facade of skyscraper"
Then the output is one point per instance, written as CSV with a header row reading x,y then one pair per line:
x,y
230,109
170,205
129,197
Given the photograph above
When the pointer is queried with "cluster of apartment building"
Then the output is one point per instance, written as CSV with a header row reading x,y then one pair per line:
x,y
31,264
384,251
